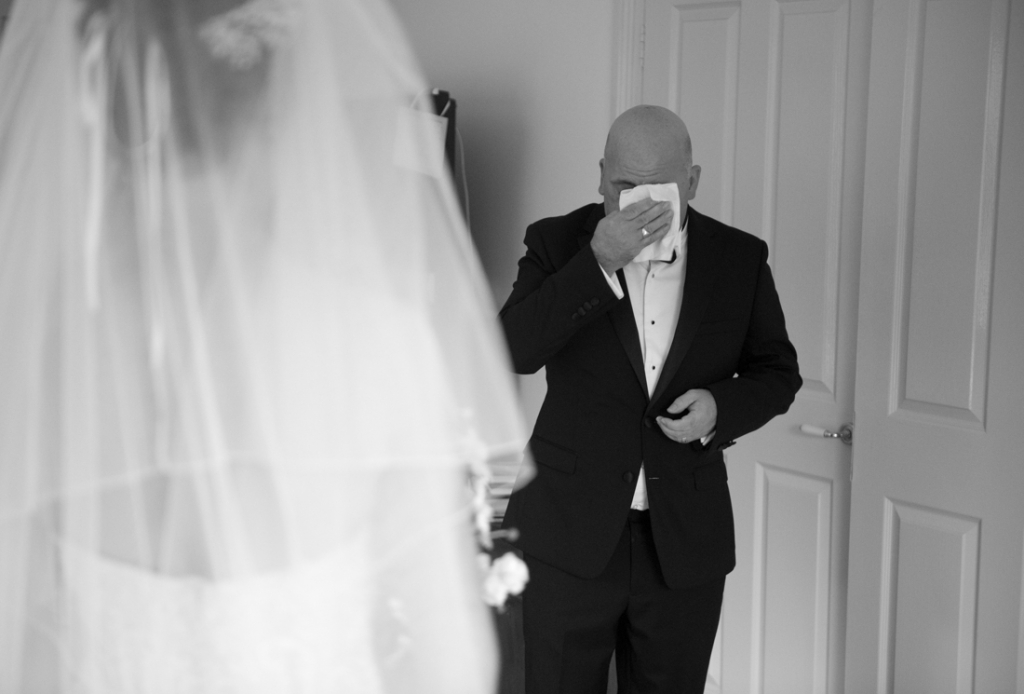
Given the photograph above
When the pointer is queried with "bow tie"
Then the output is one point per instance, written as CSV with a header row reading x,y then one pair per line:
x,y
663,251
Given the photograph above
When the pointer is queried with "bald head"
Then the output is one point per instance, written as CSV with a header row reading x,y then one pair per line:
x,y
651,132
647,144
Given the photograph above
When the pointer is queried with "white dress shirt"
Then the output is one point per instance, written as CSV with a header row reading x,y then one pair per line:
x,y
656,296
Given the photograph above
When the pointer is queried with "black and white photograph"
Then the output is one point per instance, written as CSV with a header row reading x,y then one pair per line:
x,y
511,347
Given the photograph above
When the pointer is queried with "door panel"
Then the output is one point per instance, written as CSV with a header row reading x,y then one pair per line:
x,y
937,519
792,564
773,94
691,57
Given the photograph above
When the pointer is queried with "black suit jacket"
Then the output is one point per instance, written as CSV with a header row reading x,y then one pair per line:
x,y
597,424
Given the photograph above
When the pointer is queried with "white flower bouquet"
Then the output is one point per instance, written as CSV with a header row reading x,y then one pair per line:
x,y
504,575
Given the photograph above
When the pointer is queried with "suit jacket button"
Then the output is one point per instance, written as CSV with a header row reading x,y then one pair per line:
x,y
627,476
587,305
649,422
595,301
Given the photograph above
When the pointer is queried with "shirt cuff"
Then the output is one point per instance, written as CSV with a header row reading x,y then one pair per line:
x,y
613,282
704,440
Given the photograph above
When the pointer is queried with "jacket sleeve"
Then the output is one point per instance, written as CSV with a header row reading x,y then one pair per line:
x,y
767,375
557,292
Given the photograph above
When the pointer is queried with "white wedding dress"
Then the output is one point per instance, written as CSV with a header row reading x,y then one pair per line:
x,y
303,629
247,354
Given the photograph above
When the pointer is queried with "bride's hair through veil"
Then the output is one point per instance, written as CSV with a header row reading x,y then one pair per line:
x,y
246,354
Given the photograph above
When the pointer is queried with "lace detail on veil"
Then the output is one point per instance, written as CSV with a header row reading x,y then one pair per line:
x,y
241,35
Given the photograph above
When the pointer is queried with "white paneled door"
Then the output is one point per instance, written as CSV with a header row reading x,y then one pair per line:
x,y
774,96
938,490
897,243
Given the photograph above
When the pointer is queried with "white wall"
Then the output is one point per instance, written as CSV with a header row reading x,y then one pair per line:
x,y
533,82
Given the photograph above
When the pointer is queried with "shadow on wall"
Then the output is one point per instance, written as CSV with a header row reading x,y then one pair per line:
x,y
5,11
533,83
494,135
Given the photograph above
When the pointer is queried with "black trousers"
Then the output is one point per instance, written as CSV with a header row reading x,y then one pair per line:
x,y
662,638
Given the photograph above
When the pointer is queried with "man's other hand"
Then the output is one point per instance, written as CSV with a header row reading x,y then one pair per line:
x,y
620,236
697,423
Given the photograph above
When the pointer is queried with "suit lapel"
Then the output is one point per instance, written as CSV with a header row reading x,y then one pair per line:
x,y
703,253
621,314
625,327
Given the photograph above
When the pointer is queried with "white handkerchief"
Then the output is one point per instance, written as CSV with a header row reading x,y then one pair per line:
x,y
661,250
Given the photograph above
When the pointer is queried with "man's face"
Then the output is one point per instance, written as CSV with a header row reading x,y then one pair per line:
x,y
622,170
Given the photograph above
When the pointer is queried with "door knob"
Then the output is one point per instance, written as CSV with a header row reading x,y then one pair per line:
x,y
845,433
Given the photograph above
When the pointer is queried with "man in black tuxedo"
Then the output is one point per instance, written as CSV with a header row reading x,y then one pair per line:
x,y
653,368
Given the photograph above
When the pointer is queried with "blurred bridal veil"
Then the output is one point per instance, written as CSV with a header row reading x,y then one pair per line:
x,y
246,355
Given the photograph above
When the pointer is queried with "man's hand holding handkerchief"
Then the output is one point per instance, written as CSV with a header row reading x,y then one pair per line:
x,y
669,192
